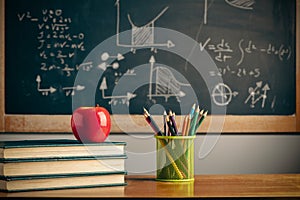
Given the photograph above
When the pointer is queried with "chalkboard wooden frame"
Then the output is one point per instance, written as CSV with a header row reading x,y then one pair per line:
x,y
61,123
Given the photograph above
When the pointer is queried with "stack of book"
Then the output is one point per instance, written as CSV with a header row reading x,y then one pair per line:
x,y
60,164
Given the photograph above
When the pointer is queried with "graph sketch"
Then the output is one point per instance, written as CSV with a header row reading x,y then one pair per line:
x,y
166,84
141,36
242,4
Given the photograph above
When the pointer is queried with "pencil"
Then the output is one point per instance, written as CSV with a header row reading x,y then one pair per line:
x,y
184,126
194,121
152,123
188,124
172,118
193,110
171,129
201,119
179,173
164,144
164,121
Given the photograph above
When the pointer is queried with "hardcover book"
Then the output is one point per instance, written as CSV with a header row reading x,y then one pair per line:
x,y
58,148
51,166
60,164
63,181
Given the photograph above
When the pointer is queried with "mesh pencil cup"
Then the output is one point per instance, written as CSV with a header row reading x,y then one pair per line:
x,y
175,158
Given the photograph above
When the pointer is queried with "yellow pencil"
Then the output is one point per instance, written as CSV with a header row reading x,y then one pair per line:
x,y
172,161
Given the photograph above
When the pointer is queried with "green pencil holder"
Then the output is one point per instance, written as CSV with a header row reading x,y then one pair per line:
x,y
175,158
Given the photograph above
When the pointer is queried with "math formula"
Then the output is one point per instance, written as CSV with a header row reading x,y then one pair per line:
x,y
56,46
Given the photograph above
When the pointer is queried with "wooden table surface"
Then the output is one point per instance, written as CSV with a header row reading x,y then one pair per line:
x,y
251,185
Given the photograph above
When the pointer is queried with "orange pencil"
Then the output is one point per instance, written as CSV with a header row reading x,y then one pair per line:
x,y
188,124
184,126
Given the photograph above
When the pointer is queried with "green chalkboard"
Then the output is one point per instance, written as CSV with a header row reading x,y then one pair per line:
x,y
229,56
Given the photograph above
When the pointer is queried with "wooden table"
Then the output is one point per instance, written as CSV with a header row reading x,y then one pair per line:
x,y
206,186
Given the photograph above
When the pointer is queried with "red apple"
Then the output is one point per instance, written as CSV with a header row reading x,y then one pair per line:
x,y
91,124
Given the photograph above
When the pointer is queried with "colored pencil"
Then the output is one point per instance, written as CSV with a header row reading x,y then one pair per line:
x,y
171,129
152,123
184,126
154,126
164,121
193,110
172,118
179,173
194,121
191,123
201,119
188,125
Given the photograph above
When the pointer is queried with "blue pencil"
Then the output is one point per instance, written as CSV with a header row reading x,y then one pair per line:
x,y
194,122
192,110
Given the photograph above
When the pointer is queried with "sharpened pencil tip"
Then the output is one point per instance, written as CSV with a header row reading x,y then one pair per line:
x,y
145,111
192,110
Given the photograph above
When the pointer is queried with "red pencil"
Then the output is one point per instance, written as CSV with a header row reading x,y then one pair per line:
x,y
152,123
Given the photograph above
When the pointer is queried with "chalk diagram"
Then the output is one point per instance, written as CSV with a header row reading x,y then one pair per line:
x,y
166,85
242,4
258,93
105,56
114,99
68,90
44,91
141,36
222,94
162,82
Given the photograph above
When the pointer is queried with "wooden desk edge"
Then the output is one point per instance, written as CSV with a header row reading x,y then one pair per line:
x,y
204,186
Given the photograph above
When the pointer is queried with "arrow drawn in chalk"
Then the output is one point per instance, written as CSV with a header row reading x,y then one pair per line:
x,y
256,95
127,97
44,91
